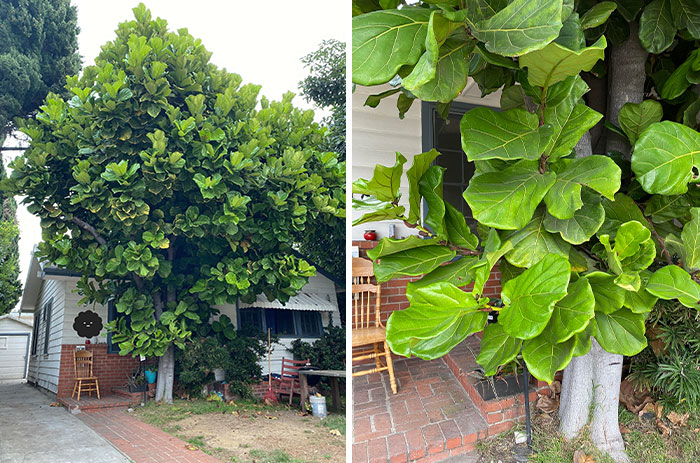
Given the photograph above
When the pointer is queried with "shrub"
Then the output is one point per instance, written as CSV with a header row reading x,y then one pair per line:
x,y
669,365
195,364
327,352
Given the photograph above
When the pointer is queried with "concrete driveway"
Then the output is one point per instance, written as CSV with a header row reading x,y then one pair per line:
x,y
33,432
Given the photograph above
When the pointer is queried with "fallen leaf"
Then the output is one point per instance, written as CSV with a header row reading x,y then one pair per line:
x,y
234,412
191,447
665,430
555,387
270,417
547,405
648,408
624,429
581,457
335,432
635,399
658,410
677,419
54,404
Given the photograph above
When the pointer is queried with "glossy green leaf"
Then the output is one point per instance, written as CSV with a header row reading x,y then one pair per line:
x,y
458,232
421,163
374,210
571,33
599,173
545,358
411,262
691,240
529,298
633,250
640,301
438,29
621,332
533,242
457,272
387,246
677,82
508,135
508,199
581,227
520,27
439,317
431,189
497,348
383,41
662,208
672,282
554,63
572,314
494,249
664,156
583,340
597,15
686,15
635,117
617,212
656,28
629,9
608,296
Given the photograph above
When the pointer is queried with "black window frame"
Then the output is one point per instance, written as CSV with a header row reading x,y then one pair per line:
x,y
267,318
35,332
47,324
111,316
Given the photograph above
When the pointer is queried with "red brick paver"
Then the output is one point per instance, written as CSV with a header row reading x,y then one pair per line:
x,y
140,441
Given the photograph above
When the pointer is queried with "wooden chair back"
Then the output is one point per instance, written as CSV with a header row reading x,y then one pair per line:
x,y
82,363
365,295
290,369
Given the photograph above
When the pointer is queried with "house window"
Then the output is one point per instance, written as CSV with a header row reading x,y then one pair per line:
x,y
47,324
444,136
282,322
3,343
35,332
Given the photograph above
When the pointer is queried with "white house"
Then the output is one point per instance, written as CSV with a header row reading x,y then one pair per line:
x,y
51,295
377,133
15,339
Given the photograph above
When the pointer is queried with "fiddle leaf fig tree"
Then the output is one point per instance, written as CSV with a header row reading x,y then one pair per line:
x,y
585,184
171,187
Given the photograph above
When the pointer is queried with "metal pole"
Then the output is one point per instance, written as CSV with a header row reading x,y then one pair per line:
x,y
526,391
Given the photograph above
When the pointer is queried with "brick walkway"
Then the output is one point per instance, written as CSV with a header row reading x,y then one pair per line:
x,y
430,419
139,441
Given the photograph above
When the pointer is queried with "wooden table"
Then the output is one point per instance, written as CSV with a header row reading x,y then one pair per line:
x,y
335,390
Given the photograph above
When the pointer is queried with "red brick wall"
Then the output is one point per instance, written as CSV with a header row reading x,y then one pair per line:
x,y
111,369
393,293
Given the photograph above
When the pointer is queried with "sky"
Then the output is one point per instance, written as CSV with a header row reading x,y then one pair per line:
x,y
263,42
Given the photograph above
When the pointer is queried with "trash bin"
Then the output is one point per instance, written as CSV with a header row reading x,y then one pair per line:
x,y
318,406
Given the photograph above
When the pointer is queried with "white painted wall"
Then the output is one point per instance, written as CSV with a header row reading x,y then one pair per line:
x,y
72,309
44,368
377,133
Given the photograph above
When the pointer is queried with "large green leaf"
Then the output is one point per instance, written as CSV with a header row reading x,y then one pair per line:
x,y
375,210
388,246
599,173
571,33
555,62
672,282
421,163
572,314
691,240
532,243
497,348
621,332
609,297
384,183
677,83
664,156
431,189
629,9
438,29
508,135
635,117
457,230
686,14
640,301
521,27
656,28
508,199
544,358
617,212
568,118
664,208
439,317
597,15
494,249
582,226
530,297
383,41
456,272
633,250
411,262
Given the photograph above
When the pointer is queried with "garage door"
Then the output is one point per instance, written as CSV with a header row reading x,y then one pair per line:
x,y
13,355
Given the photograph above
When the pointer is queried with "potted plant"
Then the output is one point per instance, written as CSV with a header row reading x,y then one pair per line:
x,y
135,382
151,373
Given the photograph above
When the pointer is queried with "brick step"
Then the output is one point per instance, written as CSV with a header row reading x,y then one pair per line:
x,y
501,412
93,403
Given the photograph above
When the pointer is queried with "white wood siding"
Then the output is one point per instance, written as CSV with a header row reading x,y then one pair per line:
x,y
377,133
72,309
44,368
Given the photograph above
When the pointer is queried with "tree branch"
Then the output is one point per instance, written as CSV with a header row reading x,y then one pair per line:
x,y
90,229
662,243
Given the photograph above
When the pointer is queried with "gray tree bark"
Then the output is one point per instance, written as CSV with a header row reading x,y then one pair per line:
x,y
166,363
591,383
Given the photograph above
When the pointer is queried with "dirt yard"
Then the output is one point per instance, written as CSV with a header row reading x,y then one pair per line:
x,y
250,432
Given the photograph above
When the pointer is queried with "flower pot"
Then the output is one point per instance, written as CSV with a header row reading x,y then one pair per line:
x,y
219,374
137,387
370,235
151,376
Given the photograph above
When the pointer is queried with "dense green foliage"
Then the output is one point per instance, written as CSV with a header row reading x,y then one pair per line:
x,y
669,365
327,352
586,243
173,185
10,286
38,49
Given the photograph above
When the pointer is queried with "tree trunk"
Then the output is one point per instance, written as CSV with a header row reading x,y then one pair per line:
x,y
166,376
592,382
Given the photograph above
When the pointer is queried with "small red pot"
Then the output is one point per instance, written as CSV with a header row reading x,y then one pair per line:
x,y
370,235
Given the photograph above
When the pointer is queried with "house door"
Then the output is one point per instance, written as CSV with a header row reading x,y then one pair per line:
x,y
14,348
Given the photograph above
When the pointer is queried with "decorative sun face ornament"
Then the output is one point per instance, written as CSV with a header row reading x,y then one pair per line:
x,y
87,324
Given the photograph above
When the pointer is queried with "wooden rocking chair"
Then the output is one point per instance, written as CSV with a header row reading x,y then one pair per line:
x,y
289,378
85,381
368,333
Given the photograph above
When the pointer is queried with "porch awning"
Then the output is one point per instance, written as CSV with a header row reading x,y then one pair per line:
x,y
302,301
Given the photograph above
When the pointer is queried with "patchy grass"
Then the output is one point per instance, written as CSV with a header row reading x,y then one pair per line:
x,y
334,422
